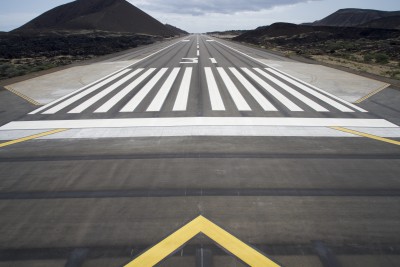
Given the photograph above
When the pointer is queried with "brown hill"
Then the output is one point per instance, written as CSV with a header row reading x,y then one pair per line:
x,y
104,15
175,29
352,17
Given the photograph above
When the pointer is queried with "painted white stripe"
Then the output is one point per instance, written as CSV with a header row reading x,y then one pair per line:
x,y
210,40
159,100
84,93
215,96
198,53
312,92
121,94
260,98
294,78
185,40
213,60
283,99
197,121
72,93
323,92
293,92
138,98
183,94
198,46
239,100
104,92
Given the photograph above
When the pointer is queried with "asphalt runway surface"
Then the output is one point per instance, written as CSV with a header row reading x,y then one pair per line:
x,y
149,148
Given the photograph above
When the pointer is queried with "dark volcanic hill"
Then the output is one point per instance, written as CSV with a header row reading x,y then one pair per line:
x,y
175,29
392,22
103,15
353,17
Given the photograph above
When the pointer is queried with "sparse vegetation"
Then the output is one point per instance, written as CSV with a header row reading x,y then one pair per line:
x,y
25,53
372,50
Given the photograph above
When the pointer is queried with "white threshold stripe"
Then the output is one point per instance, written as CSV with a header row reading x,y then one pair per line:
x,y
138,98
104,92
99,80
213,61
260,98
121,94
162,94
215,96
275,93
238,99
294,78
72,93
83,93
293,92
312,92
183,93
322,91
197,121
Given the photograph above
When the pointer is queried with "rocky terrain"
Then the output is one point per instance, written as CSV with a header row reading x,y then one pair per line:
x,y
77,31
365,47
25,53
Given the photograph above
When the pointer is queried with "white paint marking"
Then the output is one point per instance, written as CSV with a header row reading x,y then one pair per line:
x,y
121,94
190,60
210,41
213,61
104,92
198,47
185,40
159,100
198,53
312,92
283,99
260,98
239,100
183,94
215,96
294,78
317,107
323,92
91,84
198,121
138,98
84,93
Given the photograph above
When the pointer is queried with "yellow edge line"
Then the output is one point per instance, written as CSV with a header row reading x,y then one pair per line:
x,y
372,93
378,138
31,137
201,225
30,100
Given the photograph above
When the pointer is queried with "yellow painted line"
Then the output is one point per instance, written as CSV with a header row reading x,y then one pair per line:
x,y
30,100
201,225
31,137
378,138
372,93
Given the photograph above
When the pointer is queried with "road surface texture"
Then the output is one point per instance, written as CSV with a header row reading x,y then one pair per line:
x,y
200,127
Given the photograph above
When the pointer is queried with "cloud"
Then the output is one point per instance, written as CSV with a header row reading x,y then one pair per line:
x,y
201,7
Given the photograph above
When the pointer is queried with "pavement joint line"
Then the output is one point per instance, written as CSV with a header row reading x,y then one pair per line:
x,y
371,94
199,225
30,100
27,138
378,138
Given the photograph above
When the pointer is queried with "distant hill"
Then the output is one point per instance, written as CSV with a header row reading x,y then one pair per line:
x,y
175,29
353,17
103,15
307,33
392,22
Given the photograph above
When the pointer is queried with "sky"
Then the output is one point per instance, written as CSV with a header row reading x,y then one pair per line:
x,y
198,16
